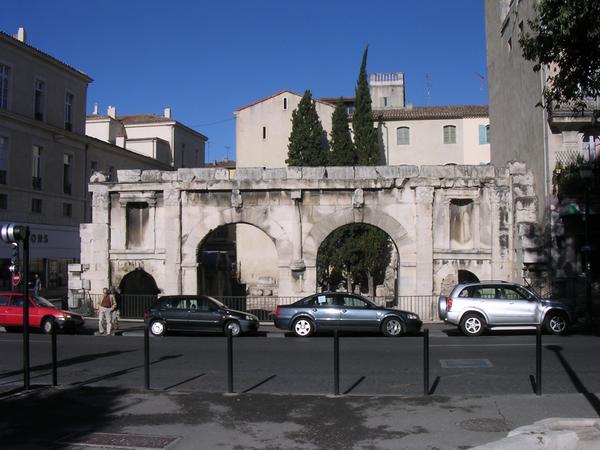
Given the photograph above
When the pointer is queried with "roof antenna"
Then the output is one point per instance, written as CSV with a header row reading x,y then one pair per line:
x,y
428,88
481,83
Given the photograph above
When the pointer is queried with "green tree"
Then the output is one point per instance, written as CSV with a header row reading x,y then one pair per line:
x,y
308,144
365,136
565,35
342,148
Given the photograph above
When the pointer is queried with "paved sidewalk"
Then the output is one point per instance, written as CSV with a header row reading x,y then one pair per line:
x,y
99,417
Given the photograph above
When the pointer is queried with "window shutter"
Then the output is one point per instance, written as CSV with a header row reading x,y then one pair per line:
x,y
482,135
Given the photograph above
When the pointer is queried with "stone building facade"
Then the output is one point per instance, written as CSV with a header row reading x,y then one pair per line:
x,y
442,219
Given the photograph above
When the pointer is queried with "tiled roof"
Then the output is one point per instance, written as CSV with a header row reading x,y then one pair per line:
x,y
267,98
433,112
279,93
44,55
143,118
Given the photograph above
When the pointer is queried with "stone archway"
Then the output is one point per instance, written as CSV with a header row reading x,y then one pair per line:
x,y
137,292
347,216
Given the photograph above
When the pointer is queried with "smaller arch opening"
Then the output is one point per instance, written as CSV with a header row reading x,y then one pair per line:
x,y
465,276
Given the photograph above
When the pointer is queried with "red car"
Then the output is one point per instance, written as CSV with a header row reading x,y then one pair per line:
x,y
42,313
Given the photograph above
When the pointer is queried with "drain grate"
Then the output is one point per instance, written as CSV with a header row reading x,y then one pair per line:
x,y
465,363
119,440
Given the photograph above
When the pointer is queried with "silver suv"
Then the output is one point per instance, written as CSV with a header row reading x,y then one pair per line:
x,y
473,307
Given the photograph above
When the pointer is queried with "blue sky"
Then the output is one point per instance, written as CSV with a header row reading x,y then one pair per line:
x,y
206,59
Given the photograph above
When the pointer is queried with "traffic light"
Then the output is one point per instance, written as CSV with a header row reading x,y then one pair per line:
x,y
14,257
14,233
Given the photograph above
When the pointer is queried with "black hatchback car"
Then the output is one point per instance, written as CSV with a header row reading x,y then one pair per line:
x,y
197,313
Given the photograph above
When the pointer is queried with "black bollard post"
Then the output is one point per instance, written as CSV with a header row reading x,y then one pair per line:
x,y
426,361
146,357
229,361
336,363
538,360
54,363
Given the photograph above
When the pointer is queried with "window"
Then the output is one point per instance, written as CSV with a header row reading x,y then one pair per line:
x,y
69,100
484,134
111,173
39,99
403,136
264,133
67,160
449,134
3,158
3,201
36,205
93,167
36,174
137,219
354,302
284,102
67,210
385,102
4,78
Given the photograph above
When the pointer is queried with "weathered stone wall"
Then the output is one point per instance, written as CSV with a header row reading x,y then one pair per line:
x,y
297,208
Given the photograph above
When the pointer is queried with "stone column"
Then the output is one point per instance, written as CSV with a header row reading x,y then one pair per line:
x,y
95,242
171,229
424,238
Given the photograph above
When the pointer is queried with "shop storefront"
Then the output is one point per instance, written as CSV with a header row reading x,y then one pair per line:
x,y
51,249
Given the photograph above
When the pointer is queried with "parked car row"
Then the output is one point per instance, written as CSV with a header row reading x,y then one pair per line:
x,y
472,307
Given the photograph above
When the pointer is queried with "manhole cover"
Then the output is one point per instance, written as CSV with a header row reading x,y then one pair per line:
x,y
119,440
465,363
484,425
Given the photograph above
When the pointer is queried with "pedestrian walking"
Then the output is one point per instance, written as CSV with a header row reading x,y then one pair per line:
x,y
116,314
107,305
37,285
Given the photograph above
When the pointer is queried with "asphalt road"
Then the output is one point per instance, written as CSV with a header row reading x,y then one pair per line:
x,y
273,363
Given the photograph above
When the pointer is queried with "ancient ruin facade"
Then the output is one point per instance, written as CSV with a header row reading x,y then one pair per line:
x,y
441,219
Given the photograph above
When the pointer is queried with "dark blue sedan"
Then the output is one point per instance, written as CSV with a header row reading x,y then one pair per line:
x,y
328,311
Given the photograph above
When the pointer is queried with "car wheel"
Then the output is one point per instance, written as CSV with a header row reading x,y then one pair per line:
x,y
392,327
303,327
472,324
158,328
48,325
556,323
232,327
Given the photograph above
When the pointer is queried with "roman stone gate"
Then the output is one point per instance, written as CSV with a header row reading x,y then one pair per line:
x,y
442,220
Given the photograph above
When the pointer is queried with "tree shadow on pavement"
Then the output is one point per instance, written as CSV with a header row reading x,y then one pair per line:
x,y
590,397
41,419
67,362
118,373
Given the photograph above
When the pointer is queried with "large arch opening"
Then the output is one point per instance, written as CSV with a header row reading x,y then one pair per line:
x,y
359,258
236,260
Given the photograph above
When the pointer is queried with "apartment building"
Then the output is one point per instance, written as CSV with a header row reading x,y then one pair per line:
x,y
156,136
46,159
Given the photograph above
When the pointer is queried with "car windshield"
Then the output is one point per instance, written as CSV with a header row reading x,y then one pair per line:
x,y
218,303
41,301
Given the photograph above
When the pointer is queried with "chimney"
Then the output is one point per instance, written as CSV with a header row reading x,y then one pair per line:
x,y
22,35
167,113
95,111
112,112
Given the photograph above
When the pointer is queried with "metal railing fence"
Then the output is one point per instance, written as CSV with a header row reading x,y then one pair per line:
x,y
264,307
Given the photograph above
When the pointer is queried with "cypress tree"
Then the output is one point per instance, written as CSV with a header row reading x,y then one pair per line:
x,y
307,145
365,136
342,147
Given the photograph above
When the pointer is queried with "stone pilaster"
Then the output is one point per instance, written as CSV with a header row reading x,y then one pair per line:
x,y
424,238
